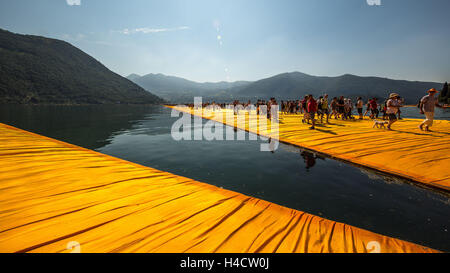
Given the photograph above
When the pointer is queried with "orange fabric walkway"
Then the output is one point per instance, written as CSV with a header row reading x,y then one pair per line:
x,y
53,194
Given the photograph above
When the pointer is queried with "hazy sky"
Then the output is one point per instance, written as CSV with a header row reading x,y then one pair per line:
x,y
211,40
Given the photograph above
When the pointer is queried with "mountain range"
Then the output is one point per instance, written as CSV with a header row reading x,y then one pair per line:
x,y
177,89
39,70
292,85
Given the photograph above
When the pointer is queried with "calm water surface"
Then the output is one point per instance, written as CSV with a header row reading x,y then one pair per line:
x,y
289,177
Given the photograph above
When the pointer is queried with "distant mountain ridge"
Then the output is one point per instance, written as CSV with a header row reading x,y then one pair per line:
x,y
293,85
176,88
39,70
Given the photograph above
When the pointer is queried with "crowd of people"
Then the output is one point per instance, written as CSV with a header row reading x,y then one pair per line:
x,y
322,109
341,108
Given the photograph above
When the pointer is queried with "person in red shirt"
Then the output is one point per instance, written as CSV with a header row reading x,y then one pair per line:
x,y
312,109
373,108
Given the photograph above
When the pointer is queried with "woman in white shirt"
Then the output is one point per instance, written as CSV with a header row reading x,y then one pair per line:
x,y
393,105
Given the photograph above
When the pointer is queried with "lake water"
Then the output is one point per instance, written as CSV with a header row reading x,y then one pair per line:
x,y
413,112
290,177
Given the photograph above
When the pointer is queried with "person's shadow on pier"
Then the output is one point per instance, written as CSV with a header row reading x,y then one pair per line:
x,y
326,131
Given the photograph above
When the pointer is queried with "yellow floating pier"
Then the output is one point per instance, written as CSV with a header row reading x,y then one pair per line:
x,y
54,195
406,151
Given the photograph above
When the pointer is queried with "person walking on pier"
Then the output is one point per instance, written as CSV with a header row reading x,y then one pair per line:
x,y
373,108
324,108
427,106
359,106
312,109
304,104
334,107
392,107
341,107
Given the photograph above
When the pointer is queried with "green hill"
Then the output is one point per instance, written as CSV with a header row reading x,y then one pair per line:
x,y
40,70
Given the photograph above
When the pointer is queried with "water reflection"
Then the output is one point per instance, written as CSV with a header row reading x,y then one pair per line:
x,y
91,126
309,158
413,112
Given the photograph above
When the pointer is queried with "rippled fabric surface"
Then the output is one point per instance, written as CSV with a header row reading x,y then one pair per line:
x,y
54,195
